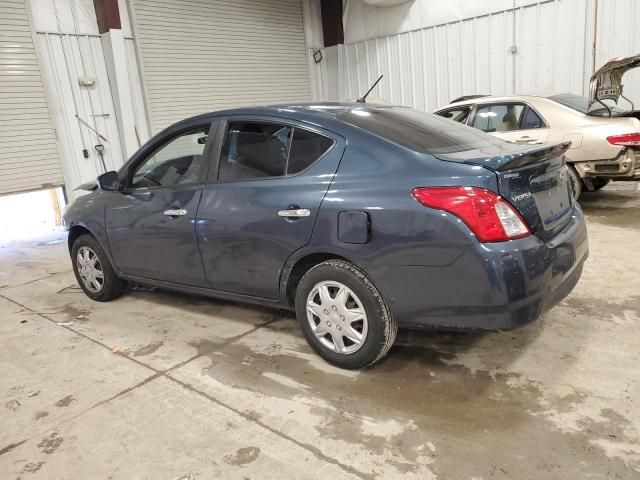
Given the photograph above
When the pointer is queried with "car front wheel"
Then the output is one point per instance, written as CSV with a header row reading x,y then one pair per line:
x,y
93,271
343,316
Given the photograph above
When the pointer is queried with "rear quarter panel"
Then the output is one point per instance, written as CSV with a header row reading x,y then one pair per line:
x,y
588,134
376,177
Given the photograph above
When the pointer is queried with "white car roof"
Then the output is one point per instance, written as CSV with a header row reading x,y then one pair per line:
x,y
502,98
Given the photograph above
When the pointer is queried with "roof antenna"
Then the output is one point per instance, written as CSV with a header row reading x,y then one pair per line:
x,y
363,99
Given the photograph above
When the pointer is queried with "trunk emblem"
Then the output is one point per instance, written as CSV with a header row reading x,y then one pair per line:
x,y
522,196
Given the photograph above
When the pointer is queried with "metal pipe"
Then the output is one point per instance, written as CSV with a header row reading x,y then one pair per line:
x,y
595,36
513,54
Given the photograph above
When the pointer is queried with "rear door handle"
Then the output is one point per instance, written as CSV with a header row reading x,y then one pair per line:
x,y
175,212
294,213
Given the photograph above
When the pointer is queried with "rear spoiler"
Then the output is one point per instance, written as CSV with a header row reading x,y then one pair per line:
x,y
513,158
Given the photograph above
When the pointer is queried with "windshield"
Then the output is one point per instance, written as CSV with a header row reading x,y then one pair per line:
x,y
418,131
581,104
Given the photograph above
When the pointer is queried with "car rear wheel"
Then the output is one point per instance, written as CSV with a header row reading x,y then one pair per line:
x,y
93,271
343,316
599,183
576,182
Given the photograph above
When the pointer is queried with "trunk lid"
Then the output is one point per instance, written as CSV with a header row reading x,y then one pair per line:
x,y
534,180
606,82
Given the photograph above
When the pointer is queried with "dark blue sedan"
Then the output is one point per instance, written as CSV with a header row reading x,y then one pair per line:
x,y
361,218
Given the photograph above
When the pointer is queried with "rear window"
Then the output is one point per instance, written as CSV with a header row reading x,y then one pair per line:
x,y
575,102
418,131
581,104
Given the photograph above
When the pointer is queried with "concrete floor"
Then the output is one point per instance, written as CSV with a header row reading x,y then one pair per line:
x,y
162,386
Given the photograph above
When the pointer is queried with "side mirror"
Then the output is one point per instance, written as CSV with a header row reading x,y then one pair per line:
x,y
108,181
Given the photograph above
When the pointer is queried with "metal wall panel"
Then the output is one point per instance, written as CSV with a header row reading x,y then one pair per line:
x,y
618,35
137,95
429,67
67,57
202,55
28,149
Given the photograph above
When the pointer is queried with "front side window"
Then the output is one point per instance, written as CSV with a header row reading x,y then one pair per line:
x,y
458,114
498,117
253,150
176,163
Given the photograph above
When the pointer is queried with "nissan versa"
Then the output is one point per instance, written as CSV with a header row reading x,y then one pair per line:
x,y
361,218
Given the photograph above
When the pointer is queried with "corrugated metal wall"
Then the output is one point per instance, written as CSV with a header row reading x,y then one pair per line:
x,y
429,67
67,57
618,35
202,55
28,149
70,47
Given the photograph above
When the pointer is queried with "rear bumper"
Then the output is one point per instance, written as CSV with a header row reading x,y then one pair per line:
x,y
496,286
626,166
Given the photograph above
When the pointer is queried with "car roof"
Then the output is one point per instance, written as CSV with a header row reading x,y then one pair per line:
x,y
311,112
500,98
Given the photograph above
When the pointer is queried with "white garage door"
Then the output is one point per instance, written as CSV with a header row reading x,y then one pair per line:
x,y
204,55
28,152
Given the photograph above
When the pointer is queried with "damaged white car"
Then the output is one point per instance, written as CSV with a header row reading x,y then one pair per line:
x,y
604,129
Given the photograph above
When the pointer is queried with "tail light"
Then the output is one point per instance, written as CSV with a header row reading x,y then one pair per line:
x,y
487,214
626,140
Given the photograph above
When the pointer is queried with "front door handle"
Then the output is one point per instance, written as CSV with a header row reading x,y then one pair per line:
x,y
175,212
294,213
525,139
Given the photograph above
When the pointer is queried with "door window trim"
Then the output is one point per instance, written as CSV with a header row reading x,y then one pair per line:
x,y
470,106
164,141
214,172
472,116
544,125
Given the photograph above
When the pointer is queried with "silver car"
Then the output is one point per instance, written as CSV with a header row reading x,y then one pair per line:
x,y
604,136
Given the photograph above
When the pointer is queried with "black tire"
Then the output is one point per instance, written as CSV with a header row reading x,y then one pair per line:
x,y
112,285
599,183
576,182
381,326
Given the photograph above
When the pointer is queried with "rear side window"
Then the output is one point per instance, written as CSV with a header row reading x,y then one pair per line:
x,y
418,131
531,120
253,150
306,148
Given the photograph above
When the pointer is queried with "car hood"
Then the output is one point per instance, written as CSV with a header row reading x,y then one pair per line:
x,y
606,82
89,186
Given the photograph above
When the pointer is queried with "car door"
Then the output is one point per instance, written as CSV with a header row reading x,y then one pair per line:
x,y
515,122
151,223
262,202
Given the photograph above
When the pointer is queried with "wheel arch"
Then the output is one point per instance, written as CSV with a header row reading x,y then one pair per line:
x,y
76,231
299,266
79,228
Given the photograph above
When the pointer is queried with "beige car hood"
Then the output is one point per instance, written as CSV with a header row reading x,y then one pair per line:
x,y
606,82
